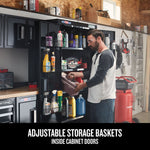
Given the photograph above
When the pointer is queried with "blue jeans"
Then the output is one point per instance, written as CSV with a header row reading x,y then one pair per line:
x,y
102,112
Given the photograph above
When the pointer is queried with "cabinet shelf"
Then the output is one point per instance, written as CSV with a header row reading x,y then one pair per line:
x,y
64,48
77,69
72,119
71,48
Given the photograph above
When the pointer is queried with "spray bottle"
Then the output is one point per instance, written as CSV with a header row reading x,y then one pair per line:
x,y
54,104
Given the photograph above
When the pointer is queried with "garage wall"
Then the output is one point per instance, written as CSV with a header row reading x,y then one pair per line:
x,y
133,63
16,60
130,8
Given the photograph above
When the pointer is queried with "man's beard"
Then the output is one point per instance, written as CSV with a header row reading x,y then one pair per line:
x,y
95,48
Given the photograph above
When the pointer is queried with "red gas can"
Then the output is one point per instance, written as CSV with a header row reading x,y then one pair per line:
x,y
123,106
124,99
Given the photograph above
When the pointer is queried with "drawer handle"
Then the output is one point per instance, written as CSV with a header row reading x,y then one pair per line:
x,y
6,114
7,106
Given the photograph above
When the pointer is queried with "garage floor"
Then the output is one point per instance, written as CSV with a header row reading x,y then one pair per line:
x,y
143,117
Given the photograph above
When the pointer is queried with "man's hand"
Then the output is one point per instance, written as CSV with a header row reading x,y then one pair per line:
x,y
80,86
73,75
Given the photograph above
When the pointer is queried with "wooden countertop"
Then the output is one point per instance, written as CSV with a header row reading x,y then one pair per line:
x,y
18,92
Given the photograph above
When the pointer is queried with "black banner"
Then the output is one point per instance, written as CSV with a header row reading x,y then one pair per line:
x,y
75,134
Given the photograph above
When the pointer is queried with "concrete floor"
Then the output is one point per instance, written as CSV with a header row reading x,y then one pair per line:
x,y
143,117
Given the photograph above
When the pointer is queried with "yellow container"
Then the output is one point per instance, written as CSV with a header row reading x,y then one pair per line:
x,y
74,14
72,107
46,64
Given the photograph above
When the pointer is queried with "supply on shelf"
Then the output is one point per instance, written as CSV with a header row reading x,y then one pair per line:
x,y
46,105
84,41
72,107
53,62
59,39
80,106
76,41
65,108
79,13
46,62
49,40
59,99
65,40
54,104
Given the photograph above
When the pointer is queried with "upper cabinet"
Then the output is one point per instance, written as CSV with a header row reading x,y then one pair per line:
x,y
16,32
11,31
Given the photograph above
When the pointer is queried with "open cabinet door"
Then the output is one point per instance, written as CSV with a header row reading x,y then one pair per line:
x,y
147,75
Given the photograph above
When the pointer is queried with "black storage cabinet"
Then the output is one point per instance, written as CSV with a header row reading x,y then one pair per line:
x,y
24,107
7,112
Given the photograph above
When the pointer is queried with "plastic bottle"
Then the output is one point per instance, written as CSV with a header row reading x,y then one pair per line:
x,y
80,17
64,64
46,105
113,48
72,107
25,4
71,40
32,5
49,40
65,108
53,62
84,41
59,99
107,41
78,13
76,41
74,14
54,104
80,40
65,39
46,62
80,106
59,39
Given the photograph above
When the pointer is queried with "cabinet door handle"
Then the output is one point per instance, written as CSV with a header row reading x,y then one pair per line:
x,y
33,115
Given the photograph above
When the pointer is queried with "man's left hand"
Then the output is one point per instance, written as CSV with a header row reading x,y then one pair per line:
x,y
80,86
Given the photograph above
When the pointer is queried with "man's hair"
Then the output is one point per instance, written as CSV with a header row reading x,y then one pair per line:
x,y
97,33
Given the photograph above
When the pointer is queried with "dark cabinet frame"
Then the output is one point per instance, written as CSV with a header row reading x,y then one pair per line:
x,y
1,30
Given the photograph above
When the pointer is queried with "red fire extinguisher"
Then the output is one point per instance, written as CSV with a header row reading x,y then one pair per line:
x,y
124,99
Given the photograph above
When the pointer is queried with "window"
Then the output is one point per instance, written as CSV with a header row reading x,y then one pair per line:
x,y
113,8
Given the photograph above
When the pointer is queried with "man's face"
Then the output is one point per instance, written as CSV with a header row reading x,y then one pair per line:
x,y
92,43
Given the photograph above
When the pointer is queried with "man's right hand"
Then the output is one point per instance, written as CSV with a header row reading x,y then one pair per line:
x,y
73,75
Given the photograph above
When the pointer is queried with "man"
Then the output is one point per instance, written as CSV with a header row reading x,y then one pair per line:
x,y
101,84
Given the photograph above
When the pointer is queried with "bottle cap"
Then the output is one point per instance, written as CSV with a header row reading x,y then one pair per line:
x,y
80,95
54,92
76,36
59,93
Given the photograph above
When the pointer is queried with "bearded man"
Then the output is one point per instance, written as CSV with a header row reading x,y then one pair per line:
x,y
102,83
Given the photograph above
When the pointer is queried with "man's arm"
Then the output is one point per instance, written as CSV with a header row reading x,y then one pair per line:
x,y
106,61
